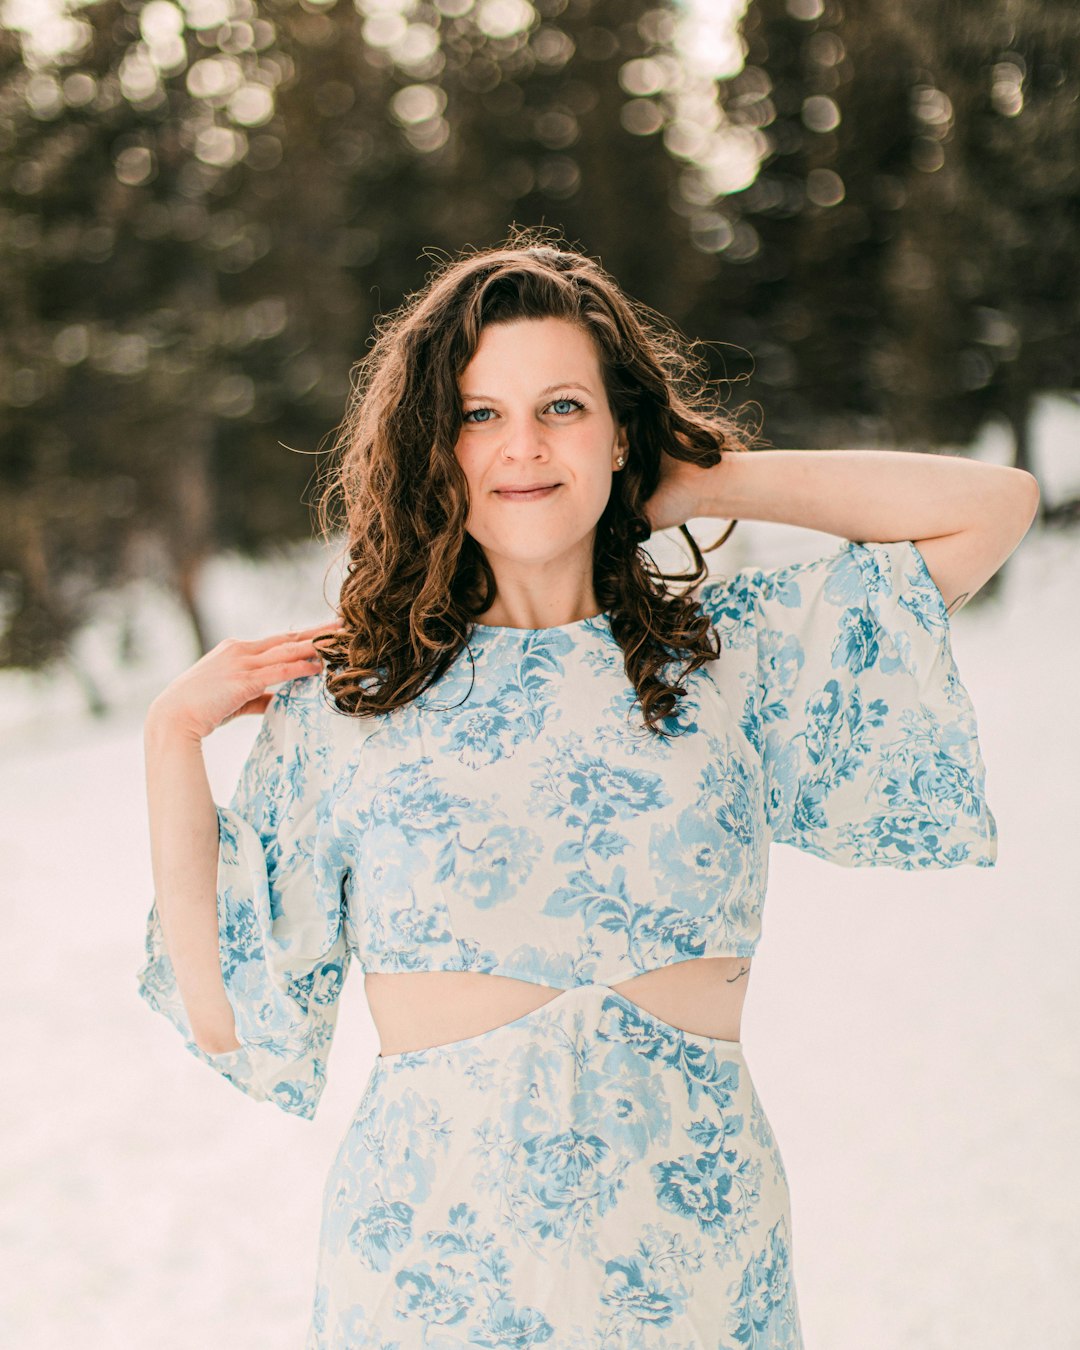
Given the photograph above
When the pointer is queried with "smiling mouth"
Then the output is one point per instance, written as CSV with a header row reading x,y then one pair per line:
x,y
526,493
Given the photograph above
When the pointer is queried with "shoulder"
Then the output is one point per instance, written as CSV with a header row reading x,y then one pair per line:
x,y
850,574
299,698
310,728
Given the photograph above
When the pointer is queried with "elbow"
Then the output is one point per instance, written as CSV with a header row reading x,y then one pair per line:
x,y
217,1040
1023,491
1010,515
1026,503
1031,493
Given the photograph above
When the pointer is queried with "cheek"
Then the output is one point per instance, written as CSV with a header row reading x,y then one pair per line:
x,y
478,515
470,468
601,478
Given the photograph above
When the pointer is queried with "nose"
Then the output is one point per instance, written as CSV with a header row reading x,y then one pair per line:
x,y
525,439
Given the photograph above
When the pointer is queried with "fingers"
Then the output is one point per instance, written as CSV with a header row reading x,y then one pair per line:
x,y
282,671
297,637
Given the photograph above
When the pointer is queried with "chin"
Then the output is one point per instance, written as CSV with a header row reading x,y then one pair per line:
x,y
525,553
527,539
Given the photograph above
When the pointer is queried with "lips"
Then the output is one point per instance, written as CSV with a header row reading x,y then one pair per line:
x,y
526,493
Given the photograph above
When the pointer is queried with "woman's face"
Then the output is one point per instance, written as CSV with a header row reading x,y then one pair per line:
x,y
535,412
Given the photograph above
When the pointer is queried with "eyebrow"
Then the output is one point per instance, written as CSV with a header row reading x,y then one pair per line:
x,y
563,384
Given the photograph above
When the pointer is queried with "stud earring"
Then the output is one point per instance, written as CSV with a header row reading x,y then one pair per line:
x,y
620,461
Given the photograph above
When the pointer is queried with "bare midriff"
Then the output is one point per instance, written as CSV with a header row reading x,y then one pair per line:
x,y
418,1009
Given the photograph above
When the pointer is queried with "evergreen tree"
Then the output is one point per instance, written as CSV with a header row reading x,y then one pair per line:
x,y
991,221
204,210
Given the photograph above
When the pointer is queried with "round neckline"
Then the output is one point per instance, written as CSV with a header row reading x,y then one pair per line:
x,y
590,621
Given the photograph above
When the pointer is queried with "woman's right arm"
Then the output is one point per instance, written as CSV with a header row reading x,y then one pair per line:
x,y
228,681
184,858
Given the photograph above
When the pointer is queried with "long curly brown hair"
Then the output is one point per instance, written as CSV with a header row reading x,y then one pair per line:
x,y
416,579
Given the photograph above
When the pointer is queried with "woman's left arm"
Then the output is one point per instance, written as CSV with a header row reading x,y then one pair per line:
x,y
965,517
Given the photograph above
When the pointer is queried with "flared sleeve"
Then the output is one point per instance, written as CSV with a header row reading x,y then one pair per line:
x,y
868,738
281,936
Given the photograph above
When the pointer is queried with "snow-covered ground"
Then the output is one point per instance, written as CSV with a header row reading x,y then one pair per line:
x,y
913,1037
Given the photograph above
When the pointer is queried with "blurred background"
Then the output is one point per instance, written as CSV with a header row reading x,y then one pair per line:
x,y
870,215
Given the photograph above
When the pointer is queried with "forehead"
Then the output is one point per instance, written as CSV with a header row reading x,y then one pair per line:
x,y
529,354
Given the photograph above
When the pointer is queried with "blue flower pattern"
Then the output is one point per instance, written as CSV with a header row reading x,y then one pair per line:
x,y
585,1175
615,1183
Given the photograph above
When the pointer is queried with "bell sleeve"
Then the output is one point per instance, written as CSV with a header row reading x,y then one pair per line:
x,y
868,738
281,937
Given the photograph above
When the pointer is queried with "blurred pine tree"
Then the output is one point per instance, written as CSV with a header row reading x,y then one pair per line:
x,y
205,206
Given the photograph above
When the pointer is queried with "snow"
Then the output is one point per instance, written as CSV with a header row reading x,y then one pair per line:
x,y
912,1036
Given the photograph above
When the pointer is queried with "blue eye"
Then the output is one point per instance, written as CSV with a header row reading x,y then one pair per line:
x,y
573,403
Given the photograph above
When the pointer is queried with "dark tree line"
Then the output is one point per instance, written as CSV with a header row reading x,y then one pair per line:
x,y
202,212
915,219
201,224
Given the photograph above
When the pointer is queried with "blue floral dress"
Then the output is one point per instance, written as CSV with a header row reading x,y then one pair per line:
x,y
586,1175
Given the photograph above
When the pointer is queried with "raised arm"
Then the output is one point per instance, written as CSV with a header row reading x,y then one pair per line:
x,y
965,517
185,827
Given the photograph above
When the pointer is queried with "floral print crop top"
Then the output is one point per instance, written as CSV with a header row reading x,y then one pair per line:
x,y
518,819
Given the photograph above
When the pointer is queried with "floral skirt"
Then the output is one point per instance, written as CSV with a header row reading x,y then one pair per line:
x,y
585,1176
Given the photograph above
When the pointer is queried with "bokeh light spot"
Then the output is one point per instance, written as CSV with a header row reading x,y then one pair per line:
x,y
252,105
80,89
134,165
160,20
824,187
72,344
931,106
711,231
417,45
428,136
1006,90
641,117
820,113
44,96
556,130
206,13
642,77
745,245
219,146
417,103
825,48
233,396
214,77
504,18
551,46
383,30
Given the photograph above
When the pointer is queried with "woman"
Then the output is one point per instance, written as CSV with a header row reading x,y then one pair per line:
x,y
527,788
